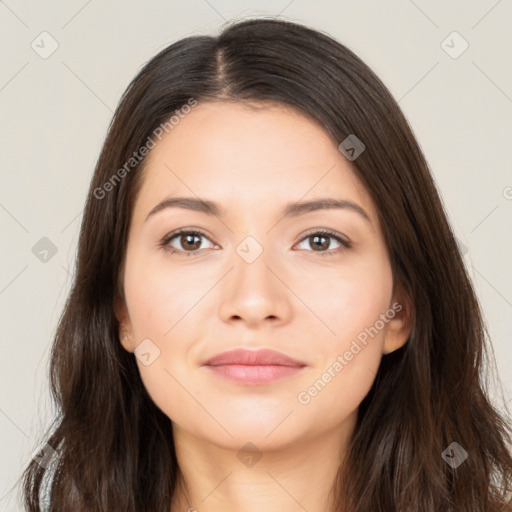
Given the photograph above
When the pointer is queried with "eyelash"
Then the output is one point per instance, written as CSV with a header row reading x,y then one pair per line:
x,y
346,244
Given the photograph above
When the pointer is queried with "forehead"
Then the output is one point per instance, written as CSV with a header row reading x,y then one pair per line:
x,y
249,156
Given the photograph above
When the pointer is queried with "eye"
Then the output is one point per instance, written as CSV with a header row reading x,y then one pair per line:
x,y
189,240
321,240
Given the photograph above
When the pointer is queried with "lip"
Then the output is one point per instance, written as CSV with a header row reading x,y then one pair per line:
x,y
264,356
253,367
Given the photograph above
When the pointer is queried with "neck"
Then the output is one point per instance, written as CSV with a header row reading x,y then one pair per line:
x,y
296,477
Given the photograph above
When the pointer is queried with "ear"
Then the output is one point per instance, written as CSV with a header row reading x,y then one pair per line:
x,y
399,326
125,327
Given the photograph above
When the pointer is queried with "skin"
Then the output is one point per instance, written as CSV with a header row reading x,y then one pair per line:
x,y
292,298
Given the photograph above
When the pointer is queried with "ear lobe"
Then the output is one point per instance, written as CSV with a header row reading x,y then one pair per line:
x,y
125,341
399,327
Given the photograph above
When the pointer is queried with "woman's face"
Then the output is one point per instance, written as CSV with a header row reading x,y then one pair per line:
x,y
259,275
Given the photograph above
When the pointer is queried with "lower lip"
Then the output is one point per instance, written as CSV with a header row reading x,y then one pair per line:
x,y
254,374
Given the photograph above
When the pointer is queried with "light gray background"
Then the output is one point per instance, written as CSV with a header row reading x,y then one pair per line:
x,y
55,112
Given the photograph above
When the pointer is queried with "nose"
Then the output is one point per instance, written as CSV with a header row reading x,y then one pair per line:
x,y
255,293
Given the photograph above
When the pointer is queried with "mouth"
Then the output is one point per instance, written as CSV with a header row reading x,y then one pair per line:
x,y
253,367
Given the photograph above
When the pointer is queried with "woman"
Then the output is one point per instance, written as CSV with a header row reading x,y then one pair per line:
x,y
270,311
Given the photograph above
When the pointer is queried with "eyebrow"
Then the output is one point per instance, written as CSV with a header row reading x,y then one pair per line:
x,y
291,210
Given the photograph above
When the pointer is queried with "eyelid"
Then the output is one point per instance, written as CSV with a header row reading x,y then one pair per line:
x,y
326,231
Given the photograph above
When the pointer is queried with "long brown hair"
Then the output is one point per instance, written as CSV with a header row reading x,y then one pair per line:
x,y
113,448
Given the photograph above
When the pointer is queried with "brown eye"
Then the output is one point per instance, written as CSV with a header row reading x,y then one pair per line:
x,y
186,241
190,241
320,241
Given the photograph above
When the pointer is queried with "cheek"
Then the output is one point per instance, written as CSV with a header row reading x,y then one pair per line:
x,y
161,310
349,301
163,307
157,299
348,357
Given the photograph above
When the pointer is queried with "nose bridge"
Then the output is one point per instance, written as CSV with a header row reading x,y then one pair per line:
x,y
253,292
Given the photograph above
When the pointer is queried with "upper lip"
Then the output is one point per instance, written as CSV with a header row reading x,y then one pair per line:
x,y
253,358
